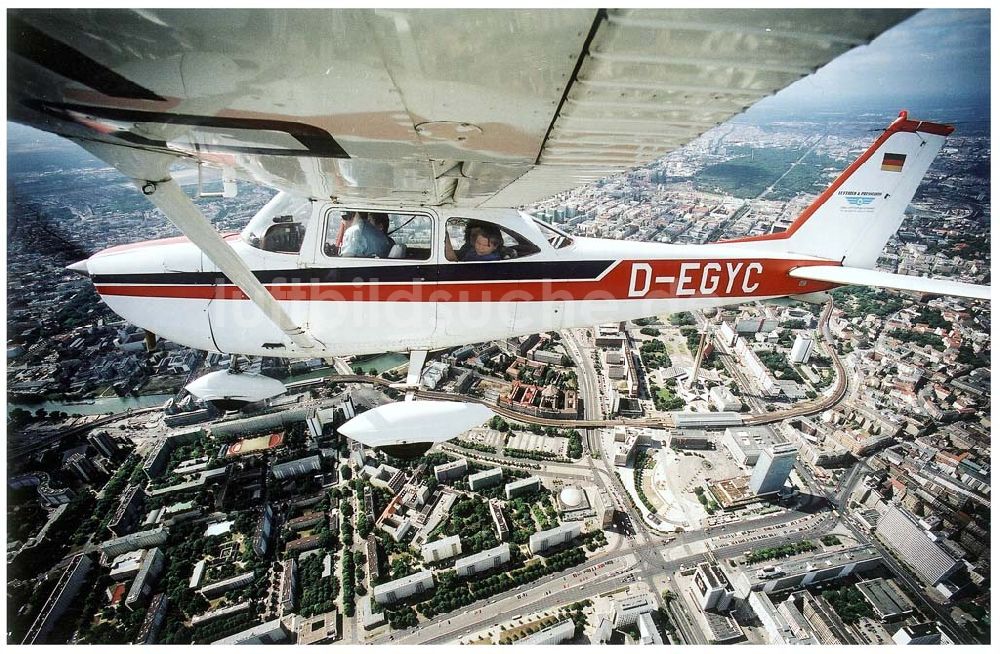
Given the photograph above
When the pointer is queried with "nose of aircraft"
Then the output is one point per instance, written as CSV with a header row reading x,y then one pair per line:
x,y
80,267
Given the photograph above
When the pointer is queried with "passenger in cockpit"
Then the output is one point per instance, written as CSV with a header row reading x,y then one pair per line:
x,y
482,244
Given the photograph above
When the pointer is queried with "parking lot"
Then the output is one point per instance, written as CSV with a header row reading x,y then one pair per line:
x,y
555,445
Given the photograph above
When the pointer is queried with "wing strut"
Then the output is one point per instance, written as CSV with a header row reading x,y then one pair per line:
x,y
181,211
151,173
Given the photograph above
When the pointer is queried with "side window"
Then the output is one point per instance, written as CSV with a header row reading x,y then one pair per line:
x,y
379,235
478,240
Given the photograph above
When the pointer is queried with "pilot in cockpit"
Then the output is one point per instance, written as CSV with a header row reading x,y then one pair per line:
x,y
381,221
364,239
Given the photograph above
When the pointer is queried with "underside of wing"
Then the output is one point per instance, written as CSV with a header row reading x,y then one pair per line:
x,y
865,277
473,107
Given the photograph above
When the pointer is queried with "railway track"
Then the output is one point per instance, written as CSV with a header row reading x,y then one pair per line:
x,y
807,408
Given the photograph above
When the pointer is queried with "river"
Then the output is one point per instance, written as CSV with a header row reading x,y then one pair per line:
x,y
380,362
96,406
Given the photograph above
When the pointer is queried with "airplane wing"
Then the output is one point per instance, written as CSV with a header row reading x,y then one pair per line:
x,y
866,277
471,107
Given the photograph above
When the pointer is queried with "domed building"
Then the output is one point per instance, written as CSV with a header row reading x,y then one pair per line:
x,y
573,498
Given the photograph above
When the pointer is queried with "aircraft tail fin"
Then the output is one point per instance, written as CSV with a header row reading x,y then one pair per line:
x,y
853,219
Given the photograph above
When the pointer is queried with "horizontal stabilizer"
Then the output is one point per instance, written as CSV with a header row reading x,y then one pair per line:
x,y
865,277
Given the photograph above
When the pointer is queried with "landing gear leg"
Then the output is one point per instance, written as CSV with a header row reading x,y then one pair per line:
x,y
417,358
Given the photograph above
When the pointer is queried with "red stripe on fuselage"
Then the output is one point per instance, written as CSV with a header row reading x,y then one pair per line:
x,y
628,280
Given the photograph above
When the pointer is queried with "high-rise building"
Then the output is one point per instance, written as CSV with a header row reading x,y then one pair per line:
x,y
713,590
138,540
127,512
932,563
81,467
156,460
154,620
772,469
627,610
649,634
266,633
500,523
485,560
106,445
522,487
552,635
444,548
821,618
801,349
605,508
624,446
485,479
60,599
393,591
145,581
783,624
451,470
543,540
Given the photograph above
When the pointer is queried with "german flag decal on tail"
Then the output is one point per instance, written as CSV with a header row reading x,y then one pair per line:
x,y
893,162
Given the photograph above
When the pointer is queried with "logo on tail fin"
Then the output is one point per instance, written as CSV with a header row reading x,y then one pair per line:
x,y
893,162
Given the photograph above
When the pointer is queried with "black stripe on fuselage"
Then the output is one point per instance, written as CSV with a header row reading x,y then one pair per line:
x,y
451,272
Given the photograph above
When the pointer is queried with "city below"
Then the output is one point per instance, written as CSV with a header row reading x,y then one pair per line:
x,y
771,473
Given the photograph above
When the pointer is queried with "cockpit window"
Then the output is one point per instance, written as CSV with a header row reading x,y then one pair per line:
x,y
284,236
379,235
280,226
478,240
556,238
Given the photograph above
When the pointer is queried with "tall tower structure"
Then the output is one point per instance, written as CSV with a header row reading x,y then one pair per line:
x,y
698,356
801,349
772,469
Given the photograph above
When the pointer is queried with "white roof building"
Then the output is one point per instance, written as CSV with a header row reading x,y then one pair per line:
x,y
441,549
393,591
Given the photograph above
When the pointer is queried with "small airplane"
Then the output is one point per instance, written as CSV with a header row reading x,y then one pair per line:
x,y
398,140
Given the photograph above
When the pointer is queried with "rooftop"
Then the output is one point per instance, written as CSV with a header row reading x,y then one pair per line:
x,y
812,561
885,597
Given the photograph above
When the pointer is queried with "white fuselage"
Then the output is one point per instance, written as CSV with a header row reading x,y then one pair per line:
x,y
370,305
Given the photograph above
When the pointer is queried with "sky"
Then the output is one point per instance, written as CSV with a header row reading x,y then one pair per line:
x,y
934,59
